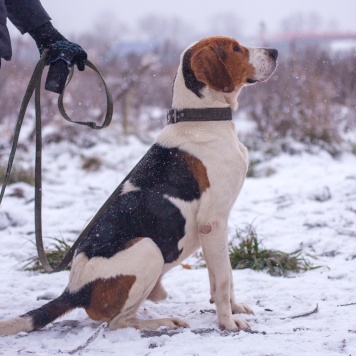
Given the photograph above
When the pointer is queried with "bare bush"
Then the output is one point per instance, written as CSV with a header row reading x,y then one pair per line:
x,y
309,99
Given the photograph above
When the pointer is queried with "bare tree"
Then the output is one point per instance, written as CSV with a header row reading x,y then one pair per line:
x,y
311,98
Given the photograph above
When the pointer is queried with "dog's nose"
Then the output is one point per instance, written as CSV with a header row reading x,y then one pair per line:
x,y
273,52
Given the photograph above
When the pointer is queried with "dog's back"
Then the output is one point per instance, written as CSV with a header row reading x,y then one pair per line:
x,y
141,206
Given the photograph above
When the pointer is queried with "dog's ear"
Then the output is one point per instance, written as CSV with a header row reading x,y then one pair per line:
x,y
211,70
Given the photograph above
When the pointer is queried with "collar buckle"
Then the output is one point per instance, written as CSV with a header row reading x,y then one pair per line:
x,y
172,116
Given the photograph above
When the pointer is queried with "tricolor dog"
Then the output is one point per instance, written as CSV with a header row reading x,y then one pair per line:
x,y
177,199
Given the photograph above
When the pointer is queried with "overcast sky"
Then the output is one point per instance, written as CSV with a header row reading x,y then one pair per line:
x,y
79,16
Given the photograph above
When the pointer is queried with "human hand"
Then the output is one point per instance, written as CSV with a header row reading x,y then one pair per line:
x,y
69,52
61,55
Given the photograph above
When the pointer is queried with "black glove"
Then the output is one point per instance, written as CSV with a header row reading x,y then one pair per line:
x,y
61,55
67,51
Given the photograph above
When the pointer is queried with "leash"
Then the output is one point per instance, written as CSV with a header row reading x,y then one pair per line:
x,y
35,86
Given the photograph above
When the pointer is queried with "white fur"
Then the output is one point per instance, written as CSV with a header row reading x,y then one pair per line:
x,y
189,243
262,61
15,325
84,271
147,273
129,187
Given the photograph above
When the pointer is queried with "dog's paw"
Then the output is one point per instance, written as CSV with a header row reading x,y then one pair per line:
x,y
241,308
233,323
151,324
174,323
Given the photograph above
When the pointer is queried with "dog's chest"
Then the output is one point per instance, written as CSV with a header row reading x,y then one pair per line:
x,y
225,163
225,160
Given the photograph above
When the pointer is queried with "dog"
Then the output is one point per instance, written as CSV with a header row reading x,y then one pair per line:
x,y
175,200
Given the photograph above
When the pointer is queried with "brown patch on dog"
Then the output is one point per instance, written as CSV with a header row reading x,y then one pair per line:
x,y
108,296
221,63
132,242
198,169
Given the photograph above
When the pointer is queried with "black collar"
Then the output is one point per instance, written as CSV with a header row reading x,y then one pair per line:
x,y
213,114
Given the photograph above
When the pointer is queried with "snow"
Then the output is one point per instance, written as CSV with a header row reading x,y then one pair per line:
x,y
309,202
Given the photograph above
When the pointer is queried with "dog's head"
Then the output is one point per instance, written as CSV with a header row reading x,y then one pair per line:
x,y
223,66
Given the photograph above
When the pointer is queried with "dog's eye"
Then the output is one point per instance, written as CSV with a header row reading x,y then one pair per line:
x,y
236,48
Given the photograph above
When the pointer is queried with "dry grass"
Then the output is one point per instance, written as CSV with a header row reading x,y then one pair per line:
x,y
91,164
54,256
250,253
18,174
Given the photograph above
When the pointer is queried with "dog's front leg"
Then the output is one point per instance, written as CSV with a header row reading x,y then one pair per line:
x,y
237,308
213,237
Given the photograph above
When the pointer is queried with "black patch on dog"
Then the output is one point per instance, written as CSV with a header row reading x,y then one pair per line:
x,y
146,212
191,82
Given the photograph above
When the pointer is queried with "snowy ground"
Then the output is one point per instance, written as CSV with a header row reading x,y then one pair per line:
x,y
309,202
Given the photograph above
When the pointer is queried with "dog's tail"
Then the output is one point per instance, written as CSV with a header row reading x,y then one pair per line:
x,y
38,318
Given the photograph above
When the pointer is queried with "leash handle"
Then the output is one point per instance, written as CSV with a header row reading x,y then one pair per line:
x,y
109,102
35,86
57,76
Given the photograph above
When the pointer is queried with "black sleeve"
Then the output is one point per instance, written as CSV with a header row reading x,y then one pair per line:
x,y
5,44
26,15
